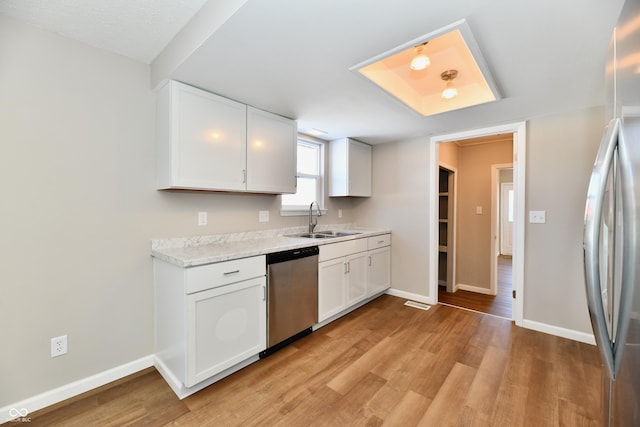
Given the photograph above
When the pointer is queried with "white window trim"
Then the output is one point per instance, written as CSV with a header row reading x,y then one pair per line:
x,y
304,211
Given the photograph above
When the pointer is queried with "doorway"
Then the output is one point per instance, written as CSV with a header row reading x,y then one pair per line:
x,y
476,286
516,273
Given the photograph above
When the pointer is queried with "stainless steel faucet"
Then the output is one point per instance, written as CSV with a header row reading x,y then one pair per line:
x,y
312,223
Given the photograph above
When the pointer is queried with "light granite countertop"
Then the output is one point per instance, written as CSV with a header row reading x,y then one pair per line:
x,y
200,250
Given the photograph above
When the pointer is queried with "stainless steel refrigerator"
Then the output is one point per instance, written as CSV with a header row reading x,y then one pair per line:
x,y
612,229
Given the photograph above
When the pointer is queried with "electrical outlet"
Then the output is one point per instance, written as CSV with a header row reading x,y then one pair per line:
x,y
202,218
58,346
339,213
263,216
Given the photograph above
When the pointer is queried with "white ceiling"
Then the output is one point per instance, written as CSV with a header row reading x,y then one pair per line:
x,y
138,29
293,57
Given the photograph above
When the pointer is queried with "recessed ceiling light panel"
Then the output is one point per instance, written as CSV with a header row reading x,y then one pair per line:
x,y
450,48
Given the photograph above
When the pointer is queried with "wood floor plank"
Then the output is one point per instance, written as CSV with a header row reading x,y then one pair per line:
x,y
383,364
354,373
445,407
573,374
484,388
409,411
543,410
470,417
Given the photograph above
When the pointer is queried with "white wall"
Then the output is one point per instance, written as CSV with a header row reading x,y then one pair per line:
x,y
561,150
79,209
401,202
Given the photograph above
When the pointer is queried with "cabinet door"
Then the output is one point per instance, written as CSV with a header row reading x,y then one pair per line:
x,y
350,168
331,288
359,169
207,140
356,278
379,270
225,326
271,152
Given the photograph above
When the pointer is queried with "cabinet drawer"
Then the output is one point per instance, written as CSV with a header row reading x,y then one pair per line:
x,y
379,241
336,250
223,273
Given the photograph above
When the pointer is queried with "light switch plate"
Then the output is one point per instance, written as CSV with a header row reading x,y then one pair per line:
x,y
478,210
202,218
537,217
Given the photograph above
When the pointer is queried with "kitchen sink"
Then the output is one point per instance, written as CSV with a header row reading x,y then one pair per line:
x,y
311,235
325,234
339,233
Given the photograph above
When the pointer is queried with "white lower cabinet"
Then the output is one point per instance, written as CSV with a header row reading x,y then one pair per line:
x,y
331,284
379,264
208,319
352,271
225,326
356,286
341,276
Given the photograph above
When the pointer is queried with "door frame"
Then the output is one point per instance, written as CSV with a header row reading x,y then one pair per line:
x,y
495,222
519,164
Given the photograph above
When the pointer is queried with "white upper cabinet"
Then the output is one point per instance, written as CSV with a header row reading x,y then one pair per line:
x,y
201,140
208,142
350,169
271,152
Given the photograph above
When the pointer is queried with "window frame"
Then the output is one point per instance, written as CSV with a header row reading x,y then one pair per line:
x,y
297,210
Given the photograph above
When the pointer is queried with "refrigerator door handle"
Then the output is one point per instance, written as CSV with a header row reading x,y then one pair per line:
x,y
591,240
628,185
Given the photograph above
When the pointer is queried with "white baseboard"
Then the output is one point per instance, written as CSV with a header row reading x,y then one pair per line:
x,y
70,390
559,332
475,289
411,296
179,388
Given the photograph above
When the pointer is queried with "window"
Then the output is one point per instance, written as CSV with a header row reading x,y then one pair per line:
x,y
310,186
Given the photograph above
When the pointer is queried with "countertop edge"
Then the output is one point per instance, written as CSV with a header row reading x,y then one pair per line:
x,y
192,256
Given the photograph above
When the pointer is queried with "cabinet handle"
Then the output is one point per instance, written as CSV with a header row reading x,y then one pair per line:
x,y
244,176
229,273
346,268
380,242
264,293
369,260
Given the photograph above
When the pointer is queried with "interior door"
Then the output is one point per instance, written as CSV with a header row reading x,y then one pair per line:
x,y
506,218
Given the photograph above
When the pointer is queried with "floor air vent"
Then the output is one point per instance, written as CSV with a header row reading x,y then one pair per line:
x,y
417,305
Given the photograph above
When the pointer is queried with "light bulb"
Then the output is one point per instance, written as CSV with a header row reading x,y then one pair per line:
x,y
420,61
449,93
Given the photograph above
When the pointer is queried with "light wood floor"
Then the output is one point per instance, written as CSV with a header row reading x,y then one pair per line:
x,y
384,364
498,305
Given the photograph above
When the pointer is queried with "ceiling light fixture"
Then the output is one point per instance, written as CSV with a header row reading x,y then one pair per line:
x,y
449,91
420,61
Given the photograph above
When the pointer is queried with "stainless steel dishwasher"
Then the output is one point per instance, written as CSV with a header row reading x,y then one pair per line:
x,y
292,296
